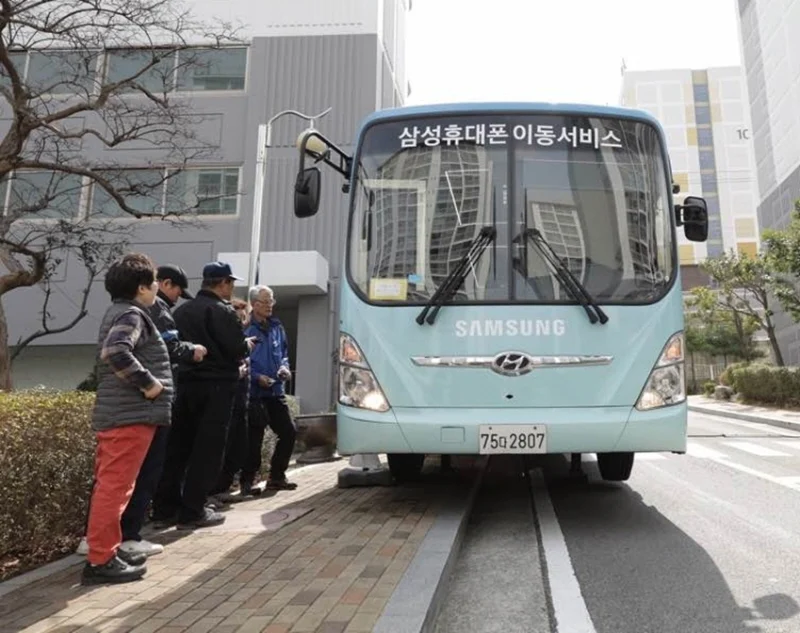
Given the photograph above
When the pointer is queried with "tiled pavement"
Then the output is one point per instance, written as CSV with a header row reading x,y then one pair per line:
x,y
317,559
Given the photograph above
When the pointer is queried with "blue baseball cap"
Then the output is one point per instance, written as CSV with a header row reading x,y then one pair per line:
x,y
219,270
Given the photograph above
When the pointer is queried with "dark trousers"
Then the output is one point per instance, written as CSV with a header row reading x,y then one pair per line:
x,y
236,445
273,412
146,484
195,450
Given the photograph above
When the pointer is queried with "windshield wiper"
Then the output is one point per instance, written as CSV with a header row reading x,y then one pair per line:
x,y
457,276
567,279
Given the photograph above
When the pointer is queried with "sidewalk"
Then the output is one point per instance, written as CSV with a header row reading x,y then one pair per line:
x,y
318,559
749,413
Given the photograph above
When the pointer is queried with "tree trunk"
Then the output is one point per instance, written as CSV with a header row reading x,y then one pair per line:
x,y
5,356
773,341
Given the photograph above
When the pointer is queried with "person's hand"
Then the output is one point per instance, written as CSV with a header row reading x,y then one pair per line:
x,y
251,342
284,373
265,381
199,353
243,370
153,392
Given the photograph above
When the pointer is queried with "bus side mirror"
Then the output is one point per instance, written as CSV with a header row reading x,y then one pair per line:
x,y
693,215
307,192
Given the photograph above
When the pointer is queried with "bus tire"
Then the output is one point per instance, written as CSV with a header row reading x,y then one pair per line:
x,y
405,466
615,466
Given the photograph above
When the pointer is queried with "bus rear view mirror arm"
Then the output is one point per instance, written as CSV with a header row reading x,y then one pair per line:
x,y
692,215
308,183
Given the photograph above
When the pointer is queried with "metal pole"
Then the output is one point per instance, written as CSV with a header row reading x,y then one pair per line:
x,y
260,184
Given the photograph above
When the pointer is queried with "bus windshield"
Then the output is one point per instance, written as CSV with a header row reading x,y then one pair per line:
x,y
595,189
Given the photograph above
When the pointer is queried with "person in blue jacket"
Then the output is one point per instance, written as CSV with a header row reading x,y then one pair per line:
x,y
269,371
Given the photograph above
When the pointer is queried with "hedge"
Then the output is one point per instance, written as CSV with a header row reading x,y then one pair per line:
x,y
766,385
47,457
46,466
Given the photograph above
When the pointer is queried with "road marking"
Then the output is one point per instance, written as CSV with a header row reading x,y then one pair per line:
x,y
569,608
793,444
695,449
756,449
643,457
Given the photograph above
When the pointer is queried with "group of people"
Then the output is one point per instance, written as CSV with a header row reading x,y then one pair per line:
x,y
183,402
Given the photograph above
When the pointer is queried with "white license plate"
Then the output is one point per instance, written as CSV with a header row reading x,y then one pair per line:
x,y
512,438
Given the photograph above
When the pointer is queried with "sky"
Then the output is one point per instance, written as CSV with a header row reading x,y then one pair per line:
x,y
558,50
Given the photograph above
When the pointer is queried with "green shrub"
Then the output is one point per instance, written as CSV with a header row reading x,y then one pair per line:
x,y
708,387
47,457
767,385
726,377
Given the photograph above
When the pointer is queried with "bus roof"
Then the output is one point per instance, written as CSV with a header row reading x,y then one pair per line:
x,y
528,107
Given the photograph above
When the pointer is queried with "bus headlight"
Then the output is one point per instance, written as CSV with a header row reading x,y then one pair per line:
x,y
358,386
666,384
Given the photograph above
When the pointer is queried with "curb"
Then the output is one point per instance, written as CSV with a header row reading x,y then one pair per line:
x,y
40,573
417,599
746,417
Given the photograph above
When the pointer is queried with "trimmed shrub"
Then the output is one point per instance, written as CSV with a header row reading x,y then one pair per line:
x,y
47,457
726,377
767,385
708,387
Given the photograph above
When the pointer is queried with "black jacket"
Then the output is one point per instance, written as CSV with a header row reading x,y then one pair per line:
x,y
179,351
212,322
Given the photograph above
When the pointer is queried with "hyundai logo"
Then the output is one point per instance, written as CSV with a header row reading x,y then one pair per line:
x,y
512,364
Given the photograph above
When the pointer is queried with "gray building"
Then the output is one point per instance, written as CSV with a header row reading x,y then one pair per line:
x,y
349,56
771,53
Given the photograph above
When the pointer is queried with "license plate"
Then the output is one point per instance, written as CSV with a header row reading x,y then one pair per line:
x,y
512,438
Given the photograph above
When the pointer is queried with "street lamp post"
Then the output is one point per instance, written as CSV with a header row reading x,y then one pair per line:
x,y
264,142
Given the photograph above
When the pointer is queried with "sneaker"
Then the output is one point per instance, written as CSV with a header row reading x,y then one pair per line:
x,y
145,548
280,484
114,571
131,558
208,519
164,522
83,547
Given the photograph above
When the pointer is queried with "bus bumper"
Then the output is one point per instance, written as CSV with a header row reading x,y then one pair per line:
x,y
455,431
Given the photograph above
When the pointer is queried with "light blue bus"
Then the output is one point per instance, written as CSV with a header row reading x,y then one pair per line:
x,y
510,284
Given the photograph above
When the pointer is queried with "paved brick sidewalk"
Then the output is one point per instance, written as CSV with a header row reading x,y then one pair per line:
x,y
317,559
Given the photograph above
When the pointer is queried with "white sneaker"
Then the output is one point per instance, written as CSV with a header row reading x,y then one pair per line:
x,y
83,547
142,547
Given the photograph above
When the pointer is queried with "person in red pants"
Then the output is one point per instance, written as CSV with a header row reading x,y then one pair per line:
x,y
134,397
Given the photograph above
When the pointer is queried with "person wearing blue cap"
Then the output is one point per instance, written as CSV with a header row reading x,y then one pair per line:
x,y
203,404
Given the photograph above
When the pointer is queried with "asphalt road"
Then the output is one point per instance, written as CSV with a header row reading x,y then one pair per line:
x,y
707,542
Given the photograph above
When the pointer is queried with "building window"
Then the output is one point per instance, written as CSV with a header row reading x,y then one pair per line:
x,y
218,69
702,115
44,195
706,159
141,190
62,72
705,137
709,185
701,93
18,59
745,227
158,78
211,191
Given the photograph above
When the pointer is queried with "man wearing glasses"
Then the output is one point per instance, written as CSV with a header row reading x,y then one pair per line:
x,y
269,370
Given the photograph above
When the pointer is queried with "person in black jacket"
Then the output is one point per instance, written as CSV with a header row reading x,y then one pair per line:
x,y
204,403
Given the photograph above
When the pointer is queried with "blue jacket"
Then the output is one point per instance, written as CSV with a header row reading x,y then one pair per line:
x,y
270,354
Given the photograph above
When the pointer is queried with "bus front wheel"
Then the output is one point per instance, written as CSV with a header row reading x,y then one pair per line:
x,y
405,466
615,466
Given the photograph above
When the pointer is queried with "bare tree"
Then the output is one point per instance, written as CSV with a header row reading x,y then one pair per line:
x,y
80,78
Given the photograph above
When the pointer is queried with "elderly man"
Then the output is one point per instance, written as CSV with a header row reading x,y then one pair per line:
x,y
269,370
204,403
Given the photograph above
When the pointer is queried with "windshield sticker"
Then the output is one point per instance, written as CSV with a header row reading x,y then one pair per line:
x,y
414,278
499,133
388,289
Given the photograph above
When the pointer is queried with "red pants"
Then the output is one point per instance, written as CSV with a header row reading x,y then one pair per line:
x,y
119,456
